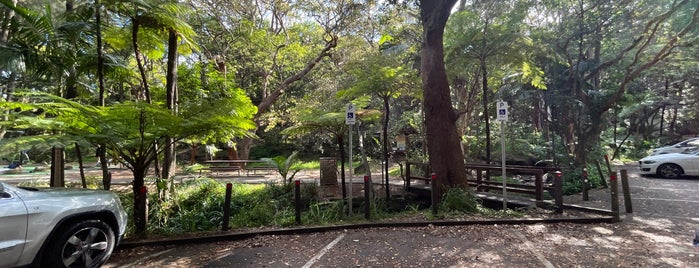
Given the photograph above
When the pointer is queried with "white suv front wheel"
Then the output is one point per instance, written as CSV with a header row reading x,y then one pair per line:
x,y
83,244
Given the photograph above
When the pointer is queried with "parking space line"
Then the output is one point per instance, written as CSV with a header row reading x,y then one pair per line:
x,y
322,252
528,245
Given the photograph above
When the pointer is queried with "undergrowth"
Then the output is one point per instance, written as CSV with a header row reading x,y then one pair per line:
x,y
197,206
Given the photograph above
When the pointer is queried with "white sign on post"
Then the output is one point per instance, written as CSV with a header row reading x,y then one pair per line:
x,y
350,117
502,111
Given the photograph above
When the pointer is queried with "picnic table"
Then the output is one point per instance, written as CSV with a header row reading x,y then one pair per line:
x,y
238,165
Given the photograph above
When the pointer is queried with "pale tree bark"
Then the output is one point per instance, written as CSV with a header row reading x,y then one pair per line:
x,y
443,143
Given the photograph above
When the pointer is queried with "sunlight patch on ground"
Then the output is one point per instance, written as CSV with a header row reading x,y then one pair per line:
x,y
654,237
673,262
602,230
556,238
536,228
656,223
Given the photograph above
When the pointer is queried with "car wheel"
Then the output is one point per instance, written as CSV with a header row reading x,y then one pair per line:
x,y
83,244
669,171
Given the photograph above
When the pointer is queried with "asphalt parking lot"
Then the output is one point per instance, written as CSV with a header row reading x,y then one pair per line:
x,y
657,234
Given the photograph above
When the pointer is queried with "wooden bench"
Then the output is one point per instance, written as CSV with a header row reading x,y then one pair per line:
x,y
218,169
261,166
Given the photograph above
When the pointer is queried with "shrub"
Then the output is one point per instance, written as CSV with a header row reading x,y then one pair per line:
x,y
459,200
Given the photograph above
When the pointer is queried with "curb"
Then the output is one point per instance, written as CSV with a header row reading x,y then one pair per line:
x,y
292,231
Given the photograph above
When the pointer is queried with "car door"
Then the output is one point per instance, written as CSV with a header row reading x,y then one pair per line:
x,y
692,165
13,227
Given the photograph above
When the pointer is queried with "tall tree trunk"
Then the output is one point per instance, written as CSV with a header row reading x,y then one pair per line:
x,y
486,112
100,55
5,29
387,113
169,152
101,151
444,150
72,79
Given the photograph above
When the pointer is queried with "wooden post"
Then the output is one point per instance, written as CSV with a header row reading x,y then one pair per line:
x,y
297,200
227,208
539,183
601,174
407,174
585,185
626,191
558,184
614,185
57,168
479,179
367,200
435,189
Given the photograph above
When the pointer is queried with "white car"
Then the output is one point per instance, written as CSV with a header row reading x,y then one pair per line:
x,y
58,227
687,145
671,165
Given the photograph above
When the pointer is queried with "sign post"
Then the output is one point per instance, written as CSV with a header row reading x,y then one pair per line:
x,y
503,117
350,120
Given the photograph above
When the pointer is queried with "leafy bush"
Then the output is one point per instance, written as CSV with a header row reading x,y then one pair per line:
x,y
459,200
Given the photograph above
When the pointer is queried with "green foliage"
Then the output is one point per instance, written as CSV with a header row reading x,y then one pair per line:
x,y
459,200
271,147
195,206
130,129
284,166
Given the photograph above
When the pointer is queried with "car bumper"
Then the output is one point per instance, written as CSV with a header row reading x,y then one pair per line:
x,y
647,169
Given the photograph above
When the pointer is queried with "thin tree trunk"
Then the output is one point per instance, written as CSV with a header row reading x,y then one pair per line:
x,y
139,59
106,177
100,55
387,113
341,144
80,165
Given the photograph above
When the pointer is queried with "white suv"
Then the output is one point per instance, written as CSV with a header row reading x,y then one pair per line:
x,y
58,227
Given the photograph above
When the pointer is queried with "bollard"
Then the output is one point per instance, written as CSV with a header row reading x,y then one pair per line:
x,y
614,185
558,192
434,193
601,174
227,208
626,191
297,200
367,191
585,186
